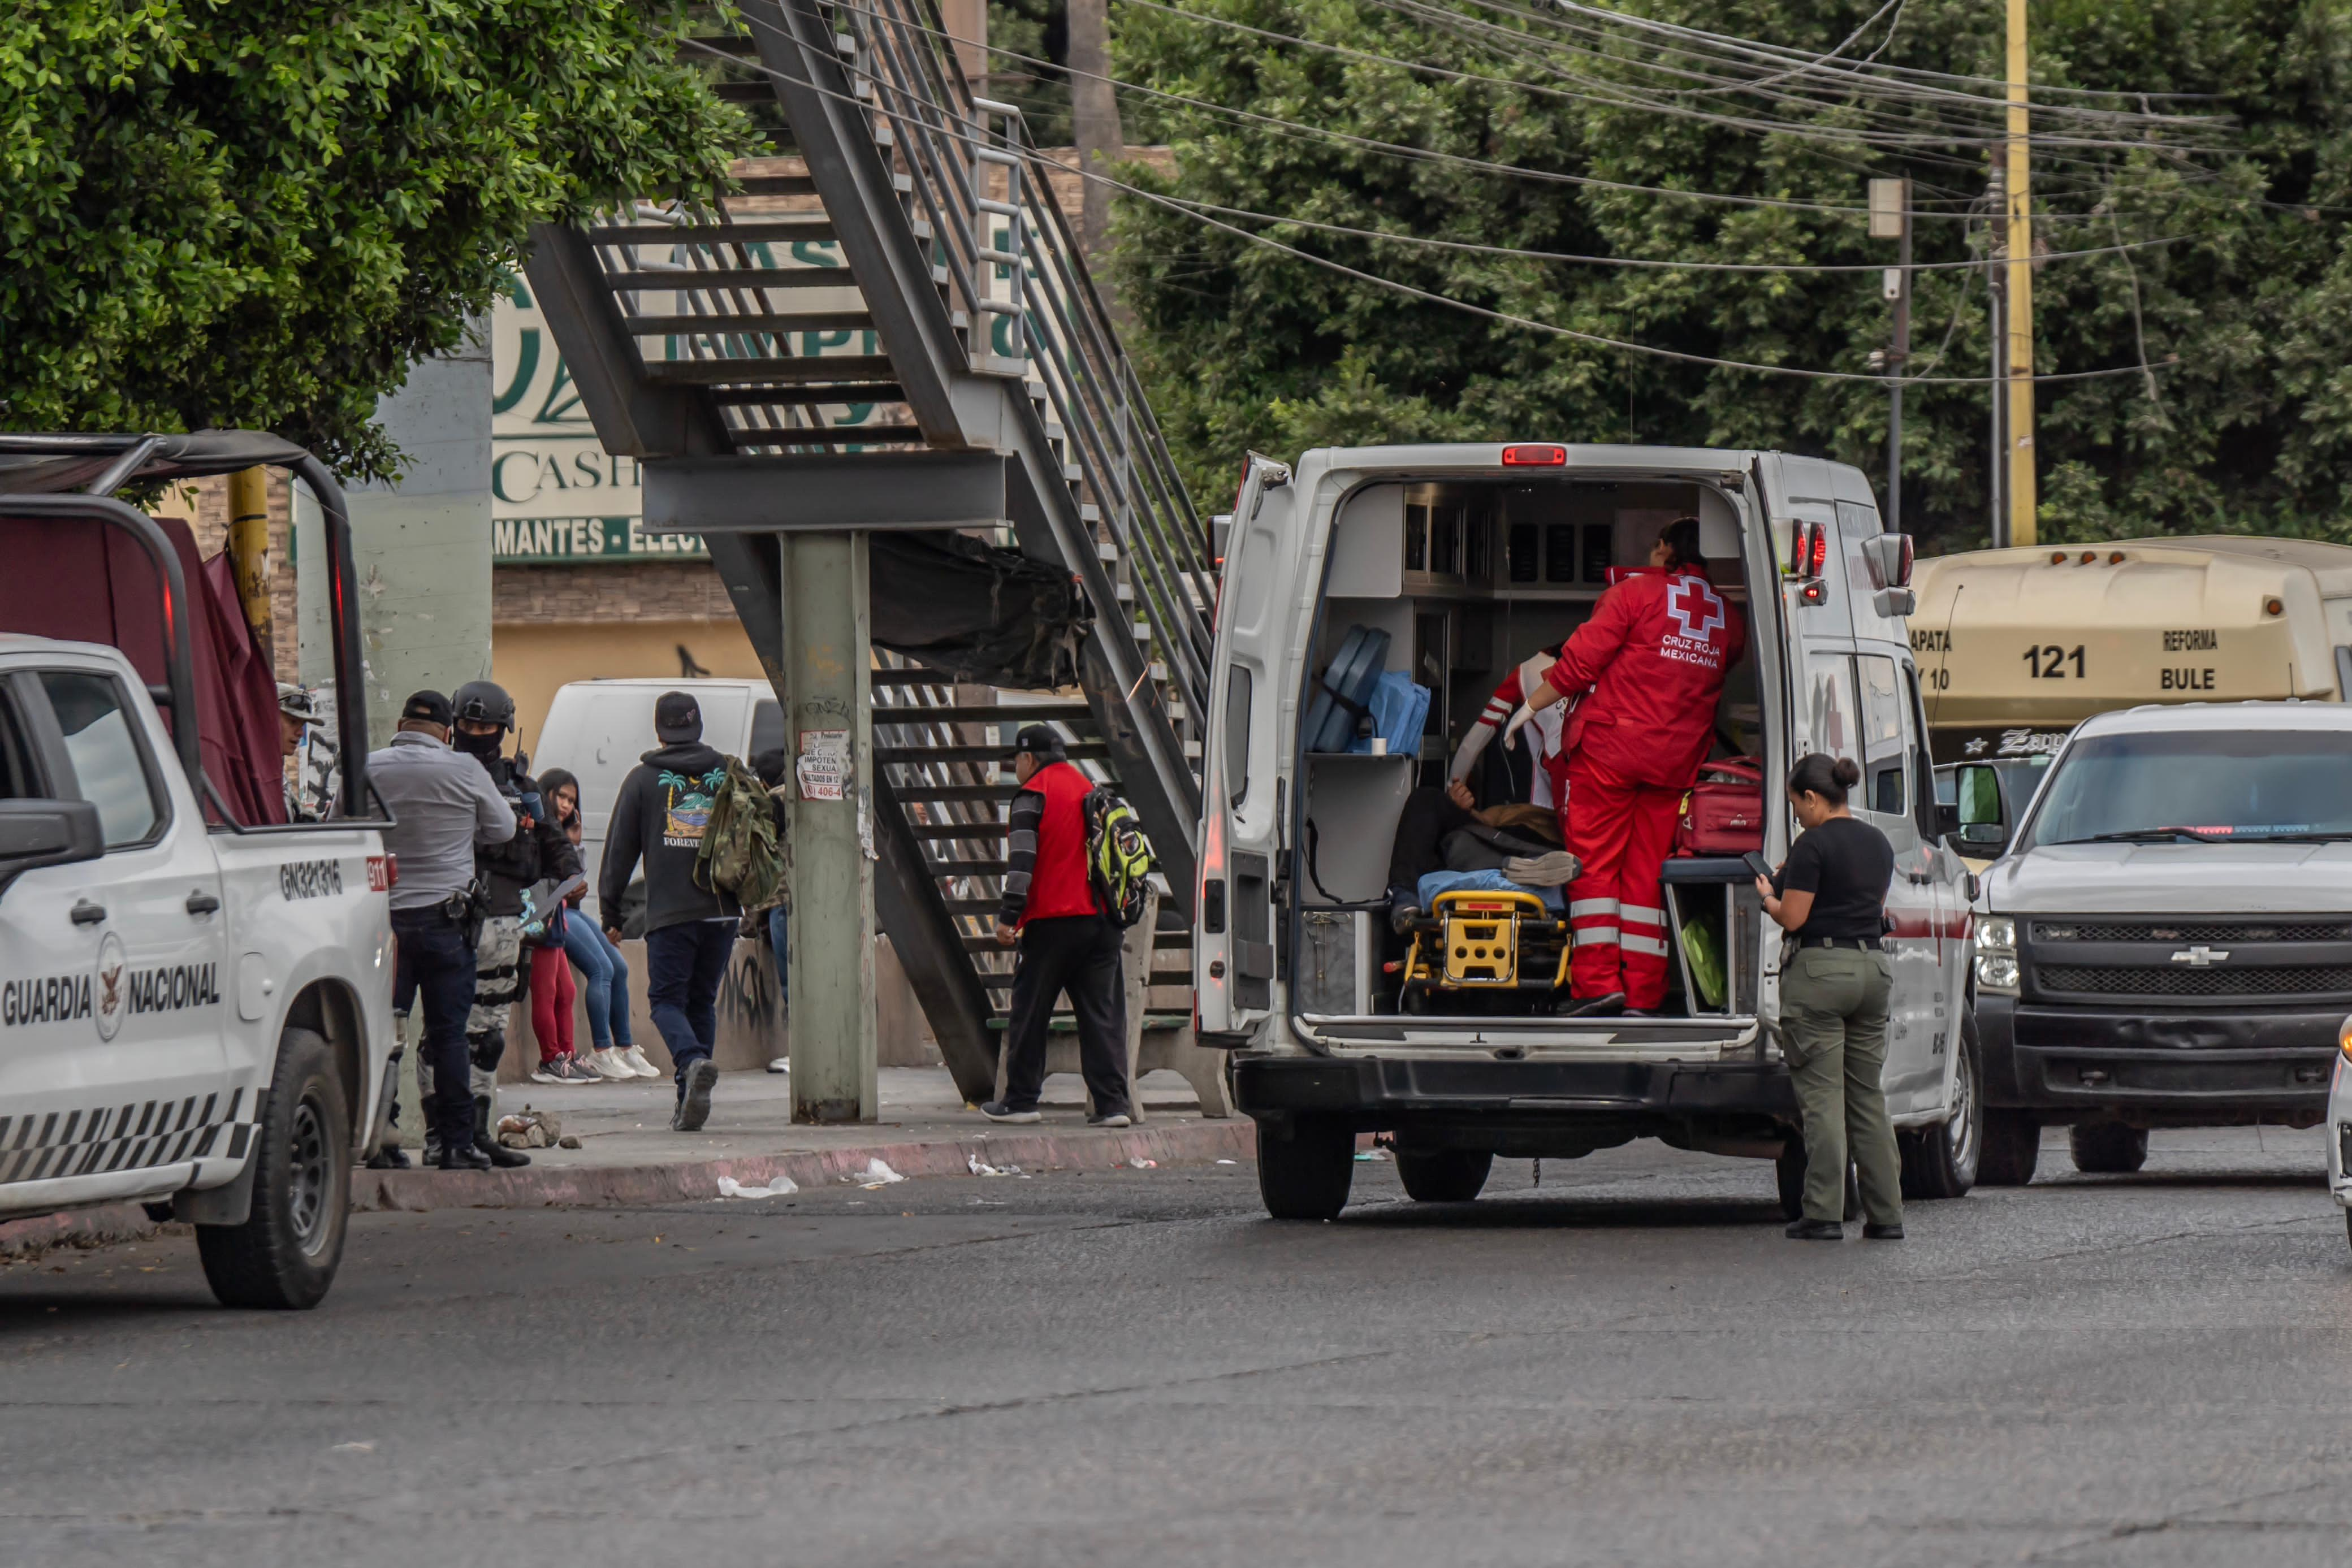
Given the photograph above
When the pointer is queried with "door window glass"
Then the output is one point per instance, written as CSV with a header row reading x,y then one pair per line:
x,y
18,780
1832,715
109,770
1237,734
1885,744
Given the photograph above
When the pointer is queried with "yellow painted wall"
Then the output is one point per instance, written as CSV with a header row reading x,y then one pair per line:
x,y
531,660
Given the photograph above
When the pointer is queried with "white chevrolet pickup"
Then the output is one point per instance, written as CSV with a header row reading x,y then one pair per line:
x,y
196,1011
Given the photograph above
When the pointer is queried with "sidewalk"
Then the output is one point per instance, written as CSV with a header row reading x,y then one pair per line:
x,y
629,1155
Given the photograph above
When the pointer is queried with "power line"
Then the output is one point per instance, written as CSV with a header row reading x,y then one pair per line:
x,y
948,123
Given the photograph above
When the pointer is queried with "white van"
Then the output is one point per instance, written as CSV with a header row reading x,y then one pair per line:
x,y
598,729
1470,558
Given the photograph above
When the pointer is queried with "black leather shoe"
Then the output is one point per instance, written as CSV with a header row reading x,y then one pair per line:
x,y
391,1159
1815,1230
1882,1232
498,1154
463,1157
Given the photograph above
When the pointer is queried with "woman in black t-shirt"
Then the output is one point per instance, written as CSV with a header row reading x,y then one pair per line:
x,y
1831,897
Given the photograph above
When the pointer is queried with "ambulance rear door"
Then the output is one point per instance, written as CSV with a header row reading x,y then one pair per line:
x,y
1242,785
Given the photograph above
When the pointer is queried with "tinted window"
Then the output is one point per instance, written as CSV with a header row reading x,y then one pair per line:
x,y
2230,784
19,780
1237,734
767,726
108,771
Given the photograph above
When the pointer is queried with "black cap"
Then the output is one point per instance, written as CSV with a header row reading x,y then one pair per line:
x,y
1041,741
427,708
677,717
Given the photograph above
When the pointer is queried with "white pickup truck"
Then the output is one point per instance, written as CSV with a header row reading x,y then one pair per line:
x,y
196,1010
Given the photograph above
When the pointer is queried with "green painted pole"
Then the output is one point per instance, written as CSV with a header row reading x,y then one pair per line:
x,y
829,826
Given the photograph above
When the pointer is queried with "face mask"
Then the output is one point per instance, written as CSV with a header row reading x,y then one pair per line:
x,y
482,745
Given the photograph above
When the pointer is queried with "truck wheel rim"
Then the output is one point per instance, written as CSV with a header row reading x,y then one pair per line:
x,y
307,1178
1960,1130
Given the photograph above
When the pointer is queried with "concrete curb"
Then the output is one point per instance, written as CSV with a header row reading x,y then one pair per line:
x,y
624,1187
101,1227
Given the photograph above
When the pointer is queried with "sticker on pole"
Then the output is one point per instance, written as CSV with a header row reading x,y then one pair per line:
x,y
823,765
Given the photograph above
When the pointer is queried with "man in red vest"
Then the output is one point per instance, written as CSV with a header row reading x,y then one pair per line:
x,y
1067,941
1654,655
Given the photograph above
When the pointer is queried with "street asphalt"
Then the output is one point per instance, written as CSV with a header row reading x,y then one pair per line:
x,y
1627,1364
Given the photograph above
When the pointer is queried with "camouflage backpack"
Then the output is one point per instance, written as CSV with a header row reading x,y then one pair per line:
x,y
1118,857
741,853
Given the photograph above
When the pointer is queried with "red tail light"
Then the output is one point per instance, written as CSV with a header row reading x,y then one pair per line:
x,y
1817,554
1535,456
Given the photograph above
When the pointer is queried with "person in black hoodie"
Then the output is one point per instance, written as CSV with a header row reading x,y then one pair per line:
x,y
539,851
661,812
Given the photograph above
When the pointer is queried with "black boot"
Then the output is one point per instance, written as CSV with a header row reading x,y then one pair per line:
x,y
498,1154
461,1156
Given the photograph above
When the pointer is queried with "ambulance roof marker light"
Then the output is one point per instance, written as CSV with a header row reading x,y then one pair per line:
x,y
1535,456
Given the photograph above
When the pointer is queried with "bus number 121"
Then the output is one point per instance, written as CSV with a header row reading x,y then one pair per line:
x,y
2049,663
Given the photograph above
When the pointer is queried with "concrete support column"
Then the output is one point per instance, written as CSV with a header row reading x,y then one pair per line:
x,y
828,701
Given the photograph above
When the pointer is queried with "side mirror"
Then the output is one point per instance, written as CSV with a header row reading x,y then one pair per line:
x,y
35,833
1888,556
1972,810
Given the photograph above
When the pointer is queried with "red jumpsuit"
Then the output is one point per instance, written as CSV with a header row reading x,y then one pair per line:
x,y
1656,653
1548,785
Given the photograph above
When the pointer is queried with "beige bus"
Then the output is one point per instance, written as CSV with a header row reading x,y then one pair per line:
x,y
2015,647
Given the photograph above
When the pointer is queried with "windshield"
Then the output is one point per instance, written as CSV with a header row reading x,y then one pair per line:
x,y
2194,786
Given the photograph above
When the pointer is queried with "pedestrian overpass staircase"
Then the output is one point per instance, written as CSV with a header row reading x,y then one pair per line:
x,y
892,325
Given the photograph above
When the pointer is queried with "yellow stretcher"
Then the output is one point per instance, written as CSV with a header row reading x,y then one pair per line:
x,y
1505,949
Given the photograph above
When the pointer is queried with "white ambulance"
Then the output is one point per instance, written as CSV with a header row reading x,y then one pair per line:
x,y
196,998
1469,558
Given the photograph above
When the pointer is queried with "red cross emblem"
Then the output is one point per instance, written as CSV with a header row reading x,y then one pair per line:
x,y
1694,607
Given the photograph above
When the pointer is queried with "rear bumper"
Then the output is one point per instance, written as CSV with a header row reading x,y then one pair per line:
x,y
2182,1067
1513,1104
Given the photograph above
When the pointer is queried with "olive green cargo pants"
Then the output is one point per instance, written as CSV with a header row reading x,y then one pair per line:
x,y
1833,1004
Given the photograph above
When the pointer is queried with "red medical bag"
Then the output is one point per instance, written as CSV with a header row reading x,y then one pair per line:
x,y
1723,813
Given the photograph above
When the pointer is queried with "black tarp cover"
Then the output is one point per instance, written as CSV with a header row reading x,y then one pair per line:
x,y
966,609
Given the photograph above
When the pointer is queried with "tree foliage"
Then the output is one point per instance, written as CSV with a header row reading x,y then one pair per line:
x,y
259,213
2244,422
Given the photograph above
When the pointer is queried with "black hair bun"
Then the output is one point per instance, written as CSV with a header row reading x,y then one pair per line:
x,y
1846,771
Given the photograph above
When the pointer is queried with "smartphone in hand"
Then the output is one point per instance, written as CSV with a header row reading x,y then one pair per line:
x,y
1759,864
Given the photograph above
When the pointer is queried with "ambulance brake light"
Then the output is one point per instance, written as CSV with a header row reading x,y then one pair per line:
x,y
1535,456
1817,557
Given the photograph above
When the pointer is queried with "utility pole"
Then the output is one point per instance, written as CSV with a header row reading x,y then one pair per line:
x,y
2019,301
1890,218
248,554
1094,125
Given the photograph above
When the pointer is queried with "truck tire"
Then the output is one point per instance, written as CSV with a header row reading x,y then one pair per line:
x,y
1444,1175
2012,1148
1941,1161
1789,1171
285,1254
1304,1170
2107,1148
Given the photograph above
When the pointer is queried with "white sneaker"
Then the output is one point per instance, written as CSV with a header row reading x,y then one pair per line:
x,y
608,1063
633,1058
781,1064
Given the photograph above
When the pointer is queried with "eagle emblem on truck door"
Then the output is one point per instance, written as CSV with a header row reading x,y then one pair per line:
x,y
110,962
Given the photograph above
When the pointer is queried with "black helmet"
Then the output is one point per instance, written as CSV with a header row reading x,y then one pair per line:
x,y
485,702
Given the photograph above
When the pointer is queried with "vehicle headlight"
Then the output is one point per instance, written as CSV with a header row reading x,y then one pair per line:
x,y
1996,954
2344,1036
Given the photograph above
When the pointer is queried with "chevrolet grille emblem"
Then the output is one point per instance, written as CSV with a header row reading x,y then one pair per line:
x,y
2199,957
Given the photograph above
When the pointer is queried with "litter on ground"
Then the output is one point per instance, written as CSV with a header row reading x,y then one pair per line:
x,y
1139,1163
979,1167
876,1174
777,1186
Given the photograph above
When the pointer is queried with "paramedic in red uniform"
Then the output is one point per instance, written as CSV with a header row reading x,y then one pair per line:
x,y
1654,655
1067,940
